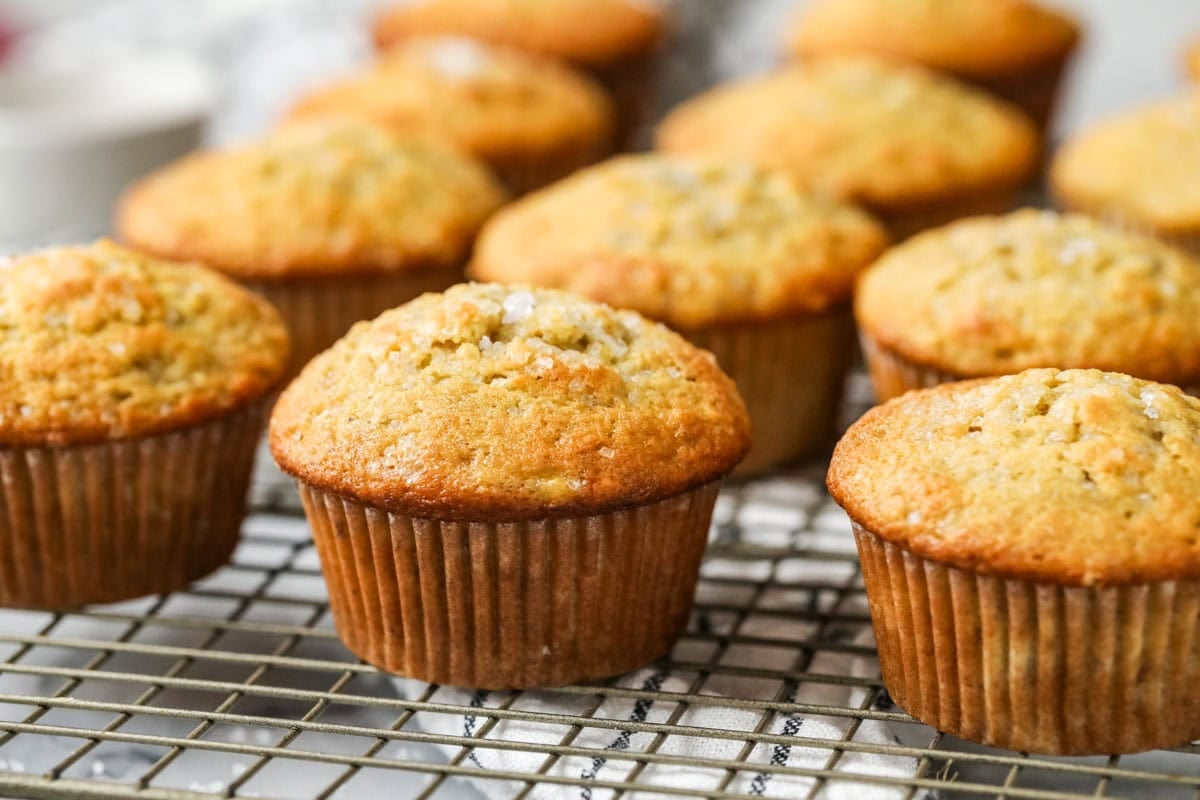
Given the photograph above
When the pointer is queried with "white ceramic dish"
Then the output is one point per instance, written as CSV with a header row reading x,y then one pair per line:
x,y
71,140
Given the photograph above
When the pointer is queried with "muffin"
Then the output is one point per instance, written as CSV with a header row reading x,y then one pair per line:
x,y
1191,60
1140,170
996,295
1015,49
132,394
331,221
1030,557
509,487
530,119
616,42
735,257
914,147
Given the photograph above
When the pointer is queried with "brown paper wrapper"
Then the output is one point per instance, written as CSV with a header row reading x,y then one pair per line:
x,y
1040,668
1034,89
318,311
903,222
99,523
632,84
790,374
510,605
892,375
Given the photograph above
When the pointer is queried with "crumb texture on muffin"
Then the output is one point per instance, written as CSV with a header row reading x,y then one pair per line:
x,y
994,295
862,129
1076,477
498,403
317,198
98,342
687,242
976,38
488,100
592,32
1141,166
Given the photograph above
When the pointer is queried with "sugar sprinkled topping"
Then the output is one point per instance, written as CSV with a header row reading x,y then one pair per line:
x,y
458,58
517,307
914,517
1148,397
1075,248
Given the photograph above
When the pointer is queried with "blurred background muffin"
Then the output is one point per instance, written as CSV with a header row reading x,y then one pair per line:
x,y
529,118
617,42
996,295
916,148
1016,49
735,257
1139,169
333,221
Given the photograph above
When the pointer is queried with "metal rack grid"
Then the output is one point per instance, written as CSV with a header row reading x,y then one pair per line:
x,y
239,688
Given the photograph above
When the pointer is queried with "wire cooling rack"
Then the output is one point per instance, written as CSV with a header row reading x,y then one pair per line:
x,y
239,688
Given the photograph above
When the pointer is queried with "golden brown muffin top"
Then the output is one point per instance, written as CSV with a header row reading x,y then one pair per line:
x,y
861,129
591,32
994,295
98,342
1075,477
1142,166
976,38
687,242
503,403
487,100
320,198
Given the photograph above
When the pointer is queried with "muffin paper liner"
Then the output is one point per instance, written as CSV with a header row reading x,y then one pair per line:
x,y
522,172
1034,89
510,604
98,523
319,311
632,84
1035,667
790,374
892,375
903,222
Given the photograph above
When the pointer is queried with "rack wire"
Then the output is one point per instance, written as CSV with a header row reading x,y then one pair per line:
x,y
239,687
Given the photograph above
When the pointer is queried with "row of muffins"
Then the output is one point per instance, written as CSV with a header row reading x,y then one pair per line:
x,y
517,428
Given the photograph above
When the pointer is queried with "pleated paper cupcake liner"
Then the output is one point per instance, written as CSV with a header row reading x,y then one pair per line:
x,y
318,311
904,222
1034,89
510,605
632,84
523,172
892,374
791,375
99,523
1041,668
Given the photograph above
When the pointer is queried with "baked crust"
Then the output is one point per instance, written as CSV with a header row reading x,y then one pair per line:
x,y
98,343
1141,167
692,243
996,295
886,135
588,32
1075,477
500,105
977,39
320,199
493,403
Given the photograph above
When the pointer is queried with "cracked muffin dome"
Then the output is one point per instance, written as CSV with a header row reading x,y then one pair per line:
x,y
1076,477
496,403
995,295
98,342
687,242
612,29
886,135
321,198
1141,167
503,106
